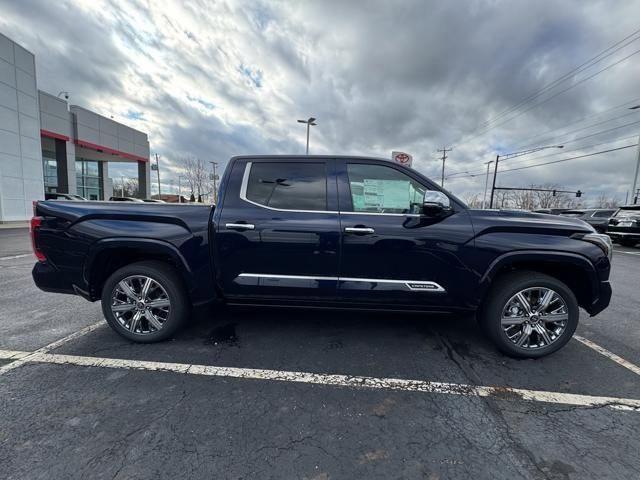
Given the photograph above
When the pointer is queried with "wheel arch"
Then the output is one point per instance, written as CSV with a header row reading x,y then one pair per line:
x,y
108,255
575,270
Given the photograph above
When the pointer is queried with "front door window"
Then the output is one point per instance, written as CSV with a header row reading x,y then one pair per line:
x,y
381,189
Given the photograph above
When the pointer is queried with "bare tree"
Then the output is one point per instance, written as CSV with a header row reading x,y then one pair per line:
x,y
547,199
523,199
126,187
473,200
606,202
196,175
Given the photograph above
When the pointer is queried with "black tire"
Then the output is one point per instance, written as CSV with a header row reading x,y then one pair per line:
x,y
508,285
625,242
168,279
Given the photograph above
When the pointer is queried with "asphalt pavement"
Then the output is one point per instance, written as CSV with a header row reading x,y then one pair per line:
x,y
309,394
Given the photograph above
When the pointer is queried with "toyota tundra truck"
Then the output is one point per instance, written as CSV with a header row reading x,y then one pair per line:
x,y
330,232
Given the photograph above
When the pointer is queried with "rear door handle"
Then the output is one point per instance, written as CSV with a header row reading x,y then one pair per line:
x,y
240,226
360,230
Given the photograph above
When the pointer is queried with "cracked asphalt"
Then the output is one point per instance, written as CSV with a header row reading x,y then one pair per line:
x,y
70,421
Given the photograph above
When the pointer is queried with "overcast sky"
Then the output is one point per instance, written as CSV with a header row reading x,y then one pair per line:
x,y
216,79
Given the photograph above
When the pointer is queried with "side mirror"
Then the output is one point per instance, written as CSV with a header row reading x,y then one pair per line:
x,y
435,203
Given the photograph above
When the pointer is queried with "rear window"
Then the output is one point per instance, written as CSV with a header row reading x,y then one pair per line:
x,y
604,214
628,213
288,185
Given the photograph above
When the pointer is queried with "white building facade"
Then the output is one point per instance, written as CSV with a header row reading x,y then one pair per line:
x,y
49,146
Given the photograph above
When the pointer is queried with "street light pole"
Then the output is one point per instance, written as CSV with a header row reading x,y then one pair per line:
x,y
215,191
512,155
486,185
310,121
158,170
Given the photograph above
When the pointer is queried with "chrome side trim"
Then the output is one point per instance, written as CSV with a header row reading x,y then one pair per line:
x,y
297,277
413,285
382,214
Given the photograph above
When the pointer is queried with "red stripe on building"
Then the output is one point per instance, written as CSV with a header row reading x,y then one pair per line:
x,y
57,136
93,146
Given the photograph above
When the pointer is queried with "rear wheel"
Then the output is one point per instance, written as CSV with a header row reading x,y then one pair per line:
x,y
625,242
529,314
145,302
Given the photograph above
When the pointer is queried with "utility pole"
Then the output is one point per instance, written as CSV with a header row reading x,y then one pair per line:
x,y
121,186
495,174
215,190
158,170
486,184
444,151
635,176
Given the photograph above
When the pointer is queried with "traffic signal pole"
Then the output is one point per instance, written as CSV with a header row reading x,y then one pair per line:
x,y
635,176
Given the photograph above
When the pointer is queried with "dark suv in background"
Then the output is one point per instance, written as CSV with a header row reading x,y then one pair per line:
x,y
624,226
598,218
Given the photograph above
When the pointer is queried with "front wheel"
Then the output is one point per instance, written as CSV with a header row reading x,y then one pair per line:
x,y
529,314
145,302
625,242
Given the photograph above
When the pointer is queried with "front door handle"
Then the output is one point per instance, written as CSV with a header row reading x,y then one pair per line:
x,y
240,226
360,230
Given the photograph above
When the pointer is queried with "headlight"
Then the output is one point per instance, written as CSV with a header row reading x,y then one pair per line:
x,y
601,240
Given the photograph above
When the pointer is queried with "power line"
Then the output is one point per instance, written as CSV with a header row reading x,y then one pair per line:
x,y
476,173
522,112
591,126
570,158
588,64
526,143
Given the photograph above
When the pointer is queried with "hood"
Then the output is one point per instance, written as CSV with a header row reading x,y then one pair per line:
x,y
523,220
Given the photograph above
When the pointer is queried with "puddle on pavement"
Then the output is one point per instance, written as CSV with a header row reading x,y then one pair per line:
x,y
223,335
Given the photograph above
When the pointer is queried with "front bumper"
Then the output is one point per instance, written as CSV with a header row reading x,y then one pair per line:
x,y
634,236
602,300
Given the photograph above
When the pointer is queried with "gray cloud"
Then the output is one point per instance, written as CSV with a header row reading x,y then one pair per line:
x,y
219,79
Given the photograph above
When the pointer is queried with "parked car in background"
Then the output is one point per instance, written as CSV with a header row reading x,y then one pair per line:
x,y
550,211
64,196
153,200
125,199
624,226
598,218
332,232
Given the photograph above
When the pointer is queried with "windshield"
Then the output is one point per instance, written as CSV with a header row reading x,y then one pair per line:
x,y
627,213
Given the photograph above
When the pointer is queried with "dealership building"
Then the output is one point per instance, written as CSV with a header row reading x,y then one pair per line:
x,y
47,145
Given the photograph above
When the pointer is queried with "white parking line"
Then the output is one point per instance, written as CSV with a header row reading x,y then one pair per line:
x,y
16,256
610,355
47,348
420,386
628,253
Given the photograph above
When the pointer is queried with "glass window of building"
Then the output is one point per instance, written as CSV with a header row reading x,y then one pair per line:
x,y
89,179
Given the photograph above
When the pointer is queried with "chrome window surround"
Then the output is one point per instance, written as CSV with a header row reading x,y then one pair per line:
x,y
243,196
413,285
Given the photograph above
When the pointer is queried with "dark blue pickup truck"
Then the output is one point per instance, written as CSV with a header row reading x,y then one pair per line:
x,y
330,232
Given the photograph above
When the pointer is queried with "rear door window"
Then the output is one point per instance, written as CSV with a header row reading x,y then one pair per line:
x,y
287,185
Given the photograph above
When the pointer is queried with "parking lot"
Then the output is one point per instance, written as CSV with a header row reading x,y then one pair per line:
x,y
309,394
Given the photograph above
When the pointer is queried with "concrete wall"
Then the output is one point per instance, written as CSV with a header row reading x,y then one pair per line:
x,y
21,175
94,129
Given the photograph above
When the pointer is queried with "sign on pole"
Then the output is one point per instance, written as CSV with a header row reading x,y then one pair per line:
x,y
402,158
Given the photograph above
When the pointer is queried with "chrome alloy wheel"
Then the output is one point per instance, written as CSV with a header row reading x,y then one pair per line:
x,y
140,304
535,317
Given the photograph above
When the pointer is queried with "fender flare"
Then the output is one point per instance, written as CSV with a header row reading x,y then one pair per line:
x,y
545,256
148,245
